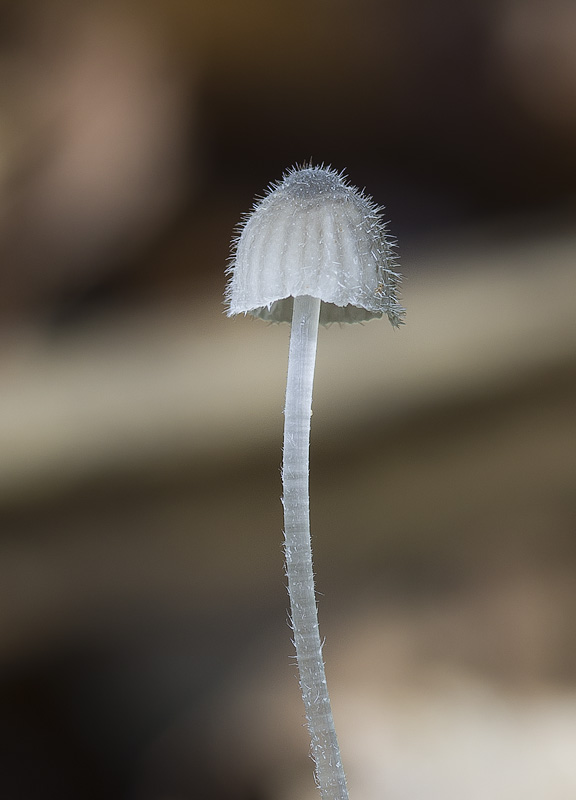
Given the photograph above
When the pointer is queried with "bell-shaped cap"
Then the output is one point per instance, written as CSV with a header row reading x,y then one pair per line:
x,y
314,234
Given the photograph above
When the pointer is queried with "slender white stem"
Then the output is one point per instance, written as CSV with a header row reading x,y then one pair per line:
x,y
302,357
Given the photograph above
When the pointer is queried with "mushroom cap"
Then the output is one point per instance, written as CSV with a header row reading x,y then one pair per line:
x,y
314,234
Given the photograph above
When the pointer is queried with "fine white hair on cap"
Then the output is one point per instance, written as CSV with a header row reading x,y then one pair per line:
x,y
314,234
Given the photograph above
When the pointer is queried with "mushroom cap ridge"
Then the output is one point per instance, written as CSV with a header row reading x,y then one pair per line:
x,y
314,234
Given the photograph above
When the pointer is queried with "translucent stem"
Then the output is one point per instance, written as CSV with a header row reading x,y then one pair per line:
x,y
302,357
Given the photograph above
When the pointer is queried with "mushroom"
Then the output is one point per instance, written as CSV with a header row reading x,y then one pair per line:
x,y
314,250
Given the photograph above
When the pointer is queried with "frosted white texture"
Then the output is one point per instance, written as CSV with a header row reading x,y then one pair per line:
x,y
314,234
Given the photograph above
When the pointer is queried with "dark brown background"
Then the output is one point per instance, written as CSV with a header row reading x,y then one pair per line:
x,y
143,642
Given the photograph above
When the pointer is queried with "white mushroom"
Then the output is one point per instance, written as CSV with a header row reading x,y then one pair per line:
x,y
313,250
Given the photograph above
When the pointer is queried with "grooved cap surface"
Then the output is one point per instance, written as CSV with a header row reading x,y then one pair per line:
x,y
314,234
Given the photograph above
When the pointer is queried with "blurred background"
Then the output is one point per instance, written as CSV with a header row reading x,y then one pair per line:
x,y
144,646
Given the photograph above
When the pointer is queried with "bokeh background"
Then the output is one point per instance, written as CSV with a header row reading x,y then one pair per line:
x,y
144,648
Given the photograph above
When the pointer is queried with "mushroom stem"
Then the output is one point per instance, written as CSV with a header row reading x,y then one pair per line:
x,y
298,410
